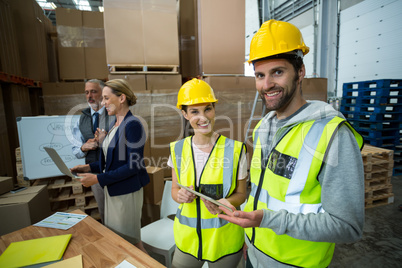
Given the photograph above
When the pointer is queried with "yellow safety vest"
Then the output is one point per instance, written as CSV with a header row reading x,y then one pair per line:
x,y
290,181
196,231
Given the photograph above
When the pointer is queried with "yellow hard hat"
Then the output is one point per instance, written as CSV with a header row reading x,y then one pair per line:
x,y
276,37
195,91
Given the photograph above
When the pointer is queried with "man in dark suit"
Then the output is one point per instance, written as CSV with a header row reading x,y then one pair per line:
x,y
85,133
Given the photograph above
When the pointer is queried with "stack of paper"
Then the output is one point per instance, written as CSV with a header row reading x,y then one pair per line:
x,y
34,251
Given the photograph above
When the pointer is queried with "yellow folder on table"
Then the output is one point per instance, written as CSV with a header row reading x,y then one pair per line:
x,y
34,251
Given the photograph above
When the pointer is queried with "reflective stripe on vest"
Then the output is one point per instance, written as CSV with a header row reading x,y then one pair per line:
x,y
300,174
276,205
205,223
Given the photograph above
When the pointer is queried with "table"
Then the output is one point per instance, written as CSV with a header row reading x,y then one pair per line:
x,y
99,246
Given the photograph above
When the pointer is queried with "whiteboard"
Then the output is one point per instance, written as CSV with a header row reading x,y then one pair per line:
x,y
37,132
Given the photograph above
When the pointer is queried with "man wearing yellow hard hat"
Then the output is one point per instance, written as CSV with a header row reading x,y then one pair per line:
x,y
307,178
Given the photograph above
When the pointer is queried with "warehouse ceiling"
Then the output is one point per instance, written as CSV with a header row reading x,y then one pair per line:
x,y
49,6
268,9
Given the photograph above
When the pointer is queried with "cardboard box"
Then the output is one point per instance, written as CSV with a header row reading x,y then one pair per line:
x,y
6,153
69,17
136,81
95,63
160,152
61,98
69,88
10,61
31,39
6,184
168,172
24,208
154,190
235,99
221,53
188,38
95,51
152,38
229,83
160,83
123,47
71,63
315,89
161,38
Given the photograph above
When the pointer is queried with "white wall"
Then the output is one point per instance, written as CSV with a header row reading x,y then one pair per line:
x,y
370,42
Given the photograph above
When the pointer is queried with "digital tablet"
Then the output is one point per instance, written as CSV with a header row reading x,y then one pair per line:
x,y
59,163
205,197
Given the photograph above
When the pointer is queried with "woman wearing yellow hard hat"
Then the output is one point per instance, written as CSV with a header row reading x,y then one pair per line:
x,y
215,166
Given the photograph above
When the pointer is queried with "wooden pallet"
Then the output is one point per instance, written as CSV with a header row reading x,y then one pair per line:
x,y
144,69
378,157
66,195
379,200
377,171
375,182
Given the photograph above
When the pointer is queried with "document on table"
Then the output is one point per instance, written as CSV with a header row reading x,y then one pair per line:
x,y
61,220
125,264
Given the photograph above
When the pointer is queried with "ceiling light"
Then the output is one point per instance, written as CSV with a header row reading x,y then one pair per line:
x,y
53,5
101,9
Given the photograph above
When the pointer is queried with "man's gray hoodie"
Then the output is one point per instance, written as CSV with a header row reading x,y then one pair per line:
x,y
342,183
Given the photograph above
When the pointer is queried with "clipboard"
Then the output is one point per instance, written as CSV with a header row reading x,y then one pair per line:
x,y
59,162
205,197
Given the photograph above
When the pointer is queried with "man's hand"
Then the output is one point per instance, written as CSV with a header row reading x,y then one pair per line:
x,y
242,218
91,144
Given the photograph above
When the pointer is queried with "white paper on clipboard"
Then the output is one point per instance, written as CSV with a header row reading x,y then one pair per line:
x,y
205,197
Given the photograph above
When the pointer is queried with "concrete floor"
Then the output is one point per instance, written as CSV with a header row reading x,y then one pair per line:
x,y
381,245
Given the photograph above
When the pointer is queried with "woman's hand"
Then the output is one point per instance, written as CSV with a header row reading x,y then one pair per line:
x,y
88,179
214,209
100,135
81,169
184,196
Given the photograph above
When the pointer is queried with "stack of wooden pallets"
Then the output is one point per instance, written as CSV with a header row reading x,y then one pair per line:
x,y
378,167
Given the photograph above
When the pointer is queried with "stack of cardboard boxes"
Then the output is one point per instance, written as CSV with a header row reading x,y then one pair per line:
x,y
81,44
81,56
24,47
